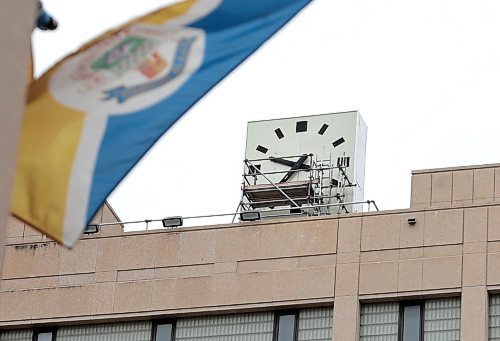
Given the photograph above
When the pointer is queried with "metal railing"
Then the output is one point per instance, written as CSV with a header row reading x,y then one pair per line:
x,y
370,203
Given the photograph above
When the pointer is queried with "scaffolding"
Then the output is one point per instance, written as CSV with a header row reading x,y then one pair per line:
x,y
311,187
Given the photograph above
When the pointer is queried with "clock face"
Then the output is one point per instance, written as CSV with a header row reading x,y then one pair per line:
x,y
287,145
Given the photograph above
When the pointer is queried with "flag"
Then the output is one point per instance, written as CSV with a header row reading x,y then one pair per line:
x,y
92,117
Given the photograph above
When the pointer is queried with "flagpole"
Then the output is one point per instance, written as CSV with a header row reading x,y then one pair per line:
x,y
16,24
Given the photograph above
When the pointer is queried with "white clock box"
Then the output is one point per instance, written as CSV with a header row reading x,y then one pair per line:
x,y
298,158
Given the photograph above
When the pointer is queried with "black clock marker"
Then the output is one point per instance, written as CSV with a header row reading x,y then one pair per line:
x,y
323,129
261,149
301,127
254,169
279,133
343,161
338,142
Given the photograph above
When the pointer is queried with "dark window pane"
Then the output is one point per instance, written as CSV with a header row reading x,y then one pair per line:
x,y
286,328
279,133
301,126
411,323
45,336
164,332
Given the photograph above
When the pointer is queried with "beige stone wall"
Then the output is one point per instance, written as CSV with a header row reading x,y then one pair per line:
x,y
345,260
456,186
16,23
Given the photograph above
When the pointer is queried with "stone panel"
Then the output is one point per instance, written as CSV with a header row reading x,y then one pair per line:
x,y
225,267
441,187
133,296
412,235
76,280
226,288
268,265
48,259
484,185
349,235
103,298
19,262
493,223
410,275
497,183
462,186
255,287
197,247
443,251
411,253
442,273
73,301
346,318
314,237
475,224
227,245
303,284
493,275
317,261
474,314
379,256
380,232
138,251
44,303
135,275
378,278
168,249
474,269
194,292
15,228
348,257
80,259
108,254
163,294
420,190
288,240
19,303
347,279
443,227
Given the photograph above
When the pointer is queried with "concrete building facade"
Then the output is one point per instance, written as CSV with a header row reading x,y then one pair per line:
x,y
16,23
430,272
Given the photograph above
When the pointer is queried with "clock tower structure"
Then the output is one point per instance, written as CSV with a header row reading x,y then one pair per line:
x,y
310,165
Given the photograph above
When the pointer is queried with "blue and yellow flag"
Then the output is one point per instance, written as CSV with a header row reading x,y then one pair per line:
x,y
95,114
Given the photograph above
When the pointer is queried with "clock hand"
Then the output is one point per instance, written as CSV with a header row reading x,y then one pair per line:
x,y
296,166
287,162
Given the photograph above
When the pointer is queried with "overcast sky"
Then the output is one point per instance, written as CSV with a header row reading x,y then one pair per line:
x,y
424,74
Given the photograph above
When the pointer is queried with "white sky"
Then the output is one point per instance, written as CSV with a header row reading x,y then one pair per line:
x,y
424,74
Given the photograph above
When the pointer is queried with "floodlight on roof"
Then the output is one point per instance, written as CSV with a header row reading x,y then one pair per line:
x,y
172,222
250,215
91,229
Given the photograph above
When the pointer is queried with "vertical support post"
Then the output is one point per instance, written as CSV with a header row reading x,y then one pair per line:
x,y
17,19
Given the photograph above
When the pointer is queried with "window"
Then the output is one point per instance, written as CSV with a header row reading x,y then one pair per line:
x,y
411,321
44,335
435,319
234,327
494,318
163,331
315,324
285,326
133,330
